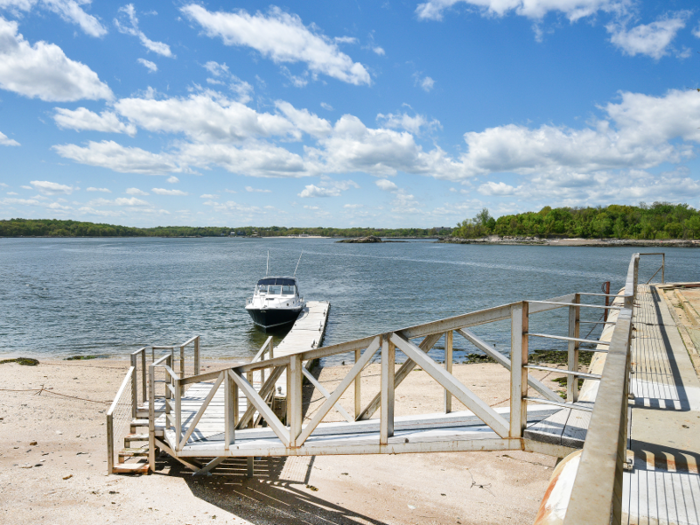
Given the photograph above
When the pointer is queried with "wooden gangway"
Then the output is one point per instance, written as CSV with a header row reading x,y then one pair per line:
x,y
203,420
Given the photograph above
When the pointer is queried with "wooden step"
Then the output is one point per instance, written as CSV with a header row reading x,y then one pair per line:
x,y
126,453
131,468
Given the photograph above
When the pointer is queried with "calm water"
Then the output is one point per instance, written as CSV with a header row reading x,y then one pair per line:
x,y
63,297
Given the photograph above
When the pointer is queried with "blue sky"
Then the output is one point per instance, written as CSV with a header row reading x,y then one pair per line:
x,y
393,114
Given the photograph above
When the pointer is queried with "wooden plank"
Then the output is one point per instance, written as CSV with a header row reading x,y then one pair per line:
x,y
576,428
193,424
518,373
549,430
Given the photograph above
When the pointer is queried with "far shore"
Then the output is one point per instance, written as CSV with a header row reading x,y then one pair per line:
x,y
575,241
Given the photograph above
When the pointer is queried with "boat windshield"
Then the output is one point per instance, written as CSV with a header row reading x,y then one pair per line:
x,y
262,288
288,290
275,289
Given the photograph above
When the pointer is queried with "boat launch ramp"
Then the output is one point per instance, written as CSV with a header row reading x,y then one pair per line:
x,y
629,437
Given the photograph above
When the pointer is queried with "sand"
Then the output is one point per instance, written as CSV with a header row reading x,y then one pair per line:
x,y
62,478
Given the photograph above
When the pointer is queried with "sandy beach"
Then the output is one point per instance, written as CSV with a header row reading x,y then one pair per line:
x,y
53,464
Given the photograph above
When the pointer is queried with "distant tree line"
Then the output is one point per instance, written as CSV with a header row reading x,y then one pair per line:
x,y
660,220
61,228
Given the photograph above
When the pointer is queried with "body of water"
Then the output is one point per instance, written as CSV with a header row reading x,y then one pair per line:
x,y
65,297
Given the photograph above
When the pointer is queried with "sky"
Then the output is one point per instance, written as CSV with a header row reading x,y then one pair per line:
x,y
415,113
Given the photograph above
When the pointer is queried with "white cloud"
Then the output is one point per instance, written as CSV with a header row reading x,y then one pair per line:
x,y
71,11
135,191
204,117
27,187
304,120
208,196
326,106
129,25
172,193
250,189
283,38
533,9
497,188
311,208
102,190
425,83
242,89
151,66
352,206
379,50
404,202
412,124
109,154
230,191
5,141
43,71
83,119
51,188
25,202
133,201
173,179
648,39
386,184
12,193
696,31
327,188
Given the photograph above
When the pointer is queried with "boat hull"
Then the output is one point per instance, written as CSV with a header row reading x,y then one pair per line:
x,y
267,318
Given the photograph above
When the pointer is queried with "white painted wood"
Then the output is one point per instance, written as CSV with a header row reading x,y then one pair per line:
x,y
448,366
338,407
487,414
230,409
339,391
573,351
294,398
259,403
358,388
193,423
386,429
518,373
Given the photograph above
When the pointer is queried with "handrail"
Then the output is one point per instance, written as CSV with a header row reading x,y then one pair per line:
x,y
110,418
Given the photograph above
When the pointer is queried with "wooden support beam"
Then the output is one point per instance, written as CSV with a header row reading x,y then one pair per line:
x,y
254,398
265,391
487,414
250,467
339,391
401,374
200,412
338,407
518,372
230,410
294,398
209,466
448,366
358,388
573,353
386,420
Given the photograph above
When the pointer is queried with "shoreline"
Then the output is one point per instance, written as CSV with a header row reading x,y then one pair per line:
x,y
576,241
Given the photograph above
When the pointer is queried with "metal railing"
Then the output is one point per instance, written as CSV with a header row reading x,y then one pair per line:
x,y
119,416
596,497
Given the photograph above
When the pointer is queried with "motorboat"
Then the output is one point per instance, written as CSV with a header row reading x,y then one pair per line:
x,y
275,302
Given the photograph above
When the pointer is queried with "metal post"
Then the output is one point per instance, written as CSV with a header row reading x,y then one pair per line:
x,y
574,329
294,398
386,425
448,366
358,388
519,322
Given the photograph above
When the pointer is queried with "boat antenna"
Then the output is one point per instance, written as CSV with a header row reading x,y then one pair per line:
x,y
295,269
267,270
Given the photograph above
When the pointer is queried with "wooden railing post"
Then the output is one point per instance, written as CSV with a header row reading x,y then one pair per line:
x,y
152,418
573,351
294,399
196,356
358,388
134,388
518,373
230,410
143,375
386,425
449,336
178,410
